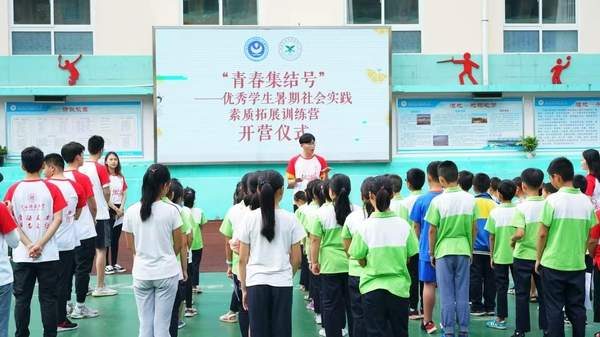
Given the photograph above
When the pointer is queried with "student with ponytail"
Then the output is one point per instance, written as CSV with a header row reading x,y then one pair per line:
x,y
328,258
382,245
591,164
270,255
233,221
353,221
152,230
232,216
317,187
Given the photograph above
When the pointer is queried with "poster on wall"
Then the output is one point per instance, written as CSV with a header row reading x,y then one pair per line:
x,y
567,122
458,124
50,126
246,95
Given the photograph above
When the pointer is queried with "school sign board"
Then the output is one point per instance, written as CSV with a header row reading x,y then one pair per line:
x,y
242,95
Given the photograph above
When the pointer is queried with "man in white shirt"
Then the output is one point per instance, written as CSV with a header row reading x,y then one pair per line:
x,y
307,166
85,231
98,174
37,207
66,236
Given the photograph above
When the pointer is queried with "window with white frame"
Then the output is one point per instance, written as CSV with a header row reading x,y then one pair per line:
x,y
51,27
401,15
548,26
220,12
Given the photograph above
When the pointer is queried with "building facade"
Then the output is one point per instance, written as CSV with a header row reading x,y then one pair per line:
x,y
514,43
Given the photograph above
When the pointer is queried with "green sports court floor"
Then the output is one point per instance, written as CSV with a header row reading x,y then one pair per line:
x,y
119,314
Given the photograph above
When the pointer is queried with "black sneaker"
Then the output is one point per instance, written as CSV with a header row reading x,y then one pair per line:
x,y
414,315
518,334
478,312
66,326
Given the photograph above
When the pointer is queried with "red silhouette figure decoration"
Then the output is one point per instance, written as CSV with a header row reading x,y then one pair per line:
x,y
70,66
468,66
558,69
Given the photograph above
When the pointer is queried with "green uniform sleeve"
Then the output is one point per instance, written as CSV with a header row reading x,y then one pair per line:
x,y
490,225
402,212
518,220
346,233
315,227
226,227
358,248
433,215
203,220
412,244
547,214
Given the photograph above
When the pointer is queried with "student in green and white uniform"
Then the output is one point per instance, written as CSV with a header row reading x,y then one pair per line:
x,y
328,258
353,222
383,244
176,198
301,202
527,226
318,191
567,218
397,206
229,228
501,230
199,218
415,179
452,217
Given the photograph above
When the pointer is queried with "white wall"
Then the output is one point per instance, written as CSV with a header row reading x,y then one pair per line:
x,y
448,26
301,13
147,115
589,26
125,27
4,14
451,26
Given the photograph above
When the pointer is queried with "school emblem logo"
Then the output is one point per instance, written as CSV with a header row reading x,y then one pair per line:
x,y
540,102
256,49
290,48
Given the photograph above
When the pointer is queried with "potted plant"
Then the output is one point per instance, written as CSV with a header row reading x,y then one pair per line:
x,y
528,145
3,153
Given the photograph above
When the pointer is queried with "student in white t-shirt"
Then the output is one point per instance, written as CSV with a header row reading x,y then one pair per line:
x,y
270,255
9,236
101,186
116,209
37,207
85,230
152,230
66,236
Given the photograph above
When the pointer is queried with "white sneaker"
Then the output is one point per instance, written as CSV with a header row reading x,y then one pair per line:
x,y
344,332
106,291
318,319
322,332
119,269
81,311
70,308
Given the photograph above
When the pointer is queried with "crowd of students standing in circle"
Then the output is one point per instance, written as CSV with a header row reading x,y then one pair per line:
x,y
366,269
